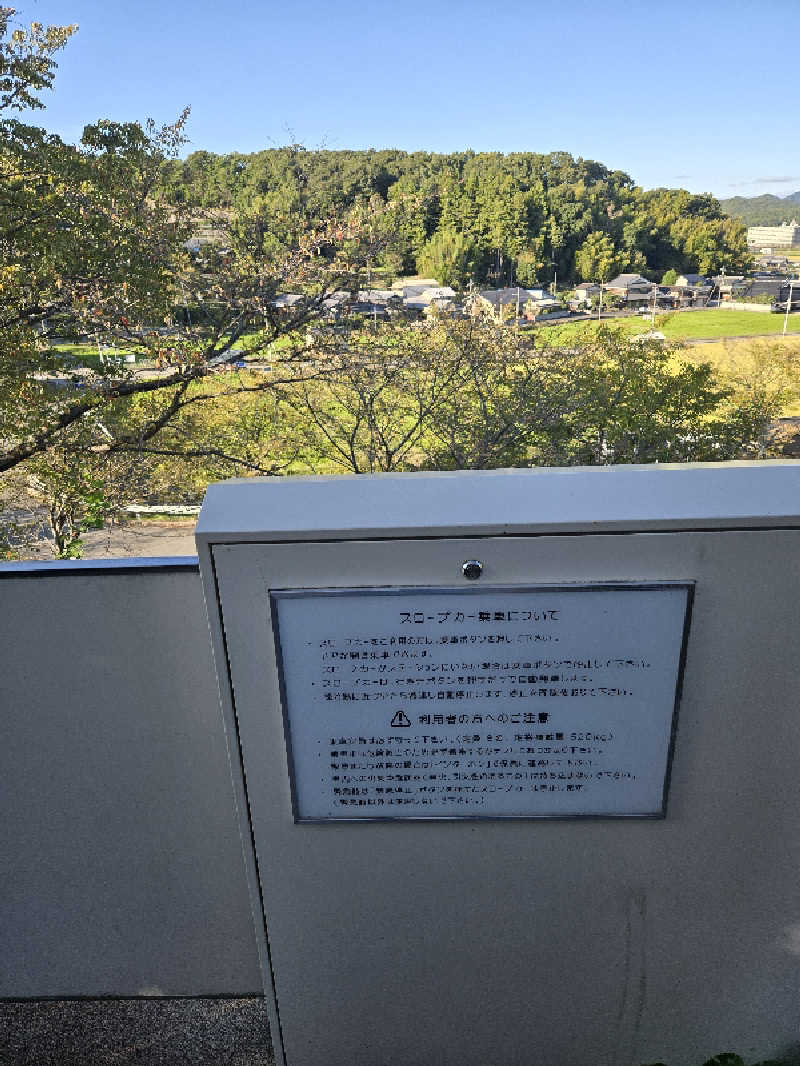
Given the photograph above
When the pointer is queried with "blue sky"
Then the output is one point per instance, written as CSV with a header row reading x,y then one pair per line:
x,y
677,94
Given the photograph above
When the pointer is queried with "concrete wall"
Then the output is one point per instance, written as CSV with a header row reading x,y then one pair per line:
x,y
557,942
740,305
121,870
610,942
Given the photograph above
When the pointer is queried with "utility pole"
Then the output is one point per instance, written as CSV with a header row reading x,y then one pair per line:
x,y
788,305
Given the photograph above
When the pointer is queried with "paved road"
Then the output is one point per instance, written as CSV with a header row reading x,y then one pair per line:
x,y
147,1032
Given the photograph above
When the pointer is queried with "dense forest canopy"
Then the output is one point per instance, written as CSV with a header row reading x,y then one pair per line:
x,y
520,218
766,210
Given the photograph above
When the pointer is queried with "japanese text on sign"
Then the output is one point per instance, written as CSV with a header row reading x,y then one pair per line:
x,y
452,703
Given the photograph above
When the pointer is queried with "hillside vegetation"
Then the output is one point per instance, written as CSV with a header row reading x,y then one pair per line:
x,y
505,219
766,210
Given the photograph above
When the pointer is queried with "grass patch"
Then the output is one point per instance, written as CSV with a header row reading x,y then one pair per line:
x,y
678,326
586,329
255,339
770,364
87,355
719,353
704,324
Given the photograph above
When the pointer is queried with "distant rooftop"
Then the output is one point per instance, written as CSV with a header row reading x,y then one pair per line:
x,y
507,296
624,281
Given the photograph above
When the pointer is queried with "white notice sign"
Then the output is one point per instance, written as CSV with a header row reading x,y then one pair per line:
x,y
480,703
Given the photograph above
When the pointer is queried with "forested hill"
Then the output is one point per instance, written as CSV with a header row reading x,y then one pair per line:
x,y
766,210
512,219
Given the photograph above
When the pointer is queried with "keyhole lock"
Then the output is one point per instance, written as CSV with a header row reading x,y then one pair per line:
x,y
472,569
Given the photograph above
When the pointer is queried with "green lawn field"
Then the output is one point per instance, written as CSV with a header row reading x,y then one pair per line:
x,y
87,355
688,325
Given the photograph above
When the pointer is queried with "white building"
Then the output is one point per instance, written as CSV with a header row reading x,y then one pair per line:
x,y
785,235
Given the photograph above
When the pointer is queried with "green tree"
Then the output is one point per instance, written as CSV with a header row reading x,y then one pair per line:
x,y
670,277
597,259
508,402
467,394
85,244
80,491
529,263
369,410
26,61
449,257
60,494
638,403
91,245
708,245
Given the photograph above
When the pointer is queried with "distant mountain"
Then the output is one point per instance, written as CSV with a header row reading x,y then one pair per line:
x,y
766,210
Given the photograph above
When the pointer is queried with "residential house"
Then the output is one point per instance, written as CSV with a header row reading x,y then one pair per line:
x,y
772,263
421,283
584,295
417,298
761,288
684,281
287,301
513,303
632,289
543,305
731,286
670,297
409,292
376,301
663,298
336,303
695,290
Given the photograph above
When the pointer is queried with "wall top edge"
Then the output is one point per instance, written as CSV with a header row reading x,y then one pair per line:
x,y
128,564
503,502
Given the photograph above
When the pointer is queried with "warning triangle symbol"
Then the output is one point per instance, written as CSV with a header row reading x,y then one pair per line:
x,y
400,719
